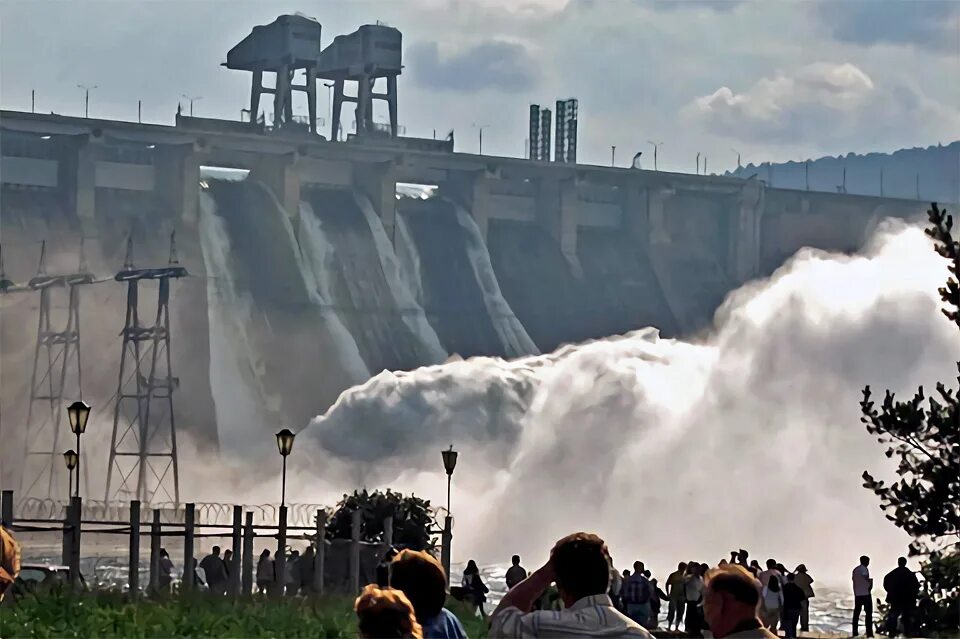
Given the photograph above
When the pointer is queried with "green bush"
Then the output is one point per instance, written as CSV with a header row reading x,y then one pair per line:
x,y
413,522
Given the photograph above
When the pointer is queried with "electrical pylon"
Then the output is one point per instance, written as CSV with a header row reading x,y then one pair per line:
x,y
143,448
56,373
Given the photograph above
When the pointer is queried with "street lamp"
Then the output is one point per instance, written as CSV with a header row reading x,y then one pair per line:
x,y
655,146
86,98
71,459
449,463
192,99
78,413
480,128
285,445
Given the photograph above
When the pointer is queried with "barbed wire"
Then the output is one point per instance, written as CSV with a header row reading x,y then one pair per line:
x,y
206,513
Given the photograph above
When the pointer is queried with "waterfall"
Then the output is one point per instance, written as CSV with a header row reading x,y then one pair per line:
x,y
310,252
243,406
408,258
512,334
406,302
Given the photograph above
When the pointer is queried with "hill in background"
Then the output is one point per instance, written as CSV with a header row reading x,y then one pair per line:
x,y
931,174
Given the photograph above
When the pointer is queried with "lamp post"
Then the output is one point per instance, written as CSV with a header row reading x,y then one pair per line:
x,y
192,99
449,463
71,459
86,98
480,128
655,146
78,413
285,445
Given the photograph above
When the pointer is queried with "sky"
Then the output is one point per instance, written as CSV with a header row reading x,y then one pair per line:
x,y
772,80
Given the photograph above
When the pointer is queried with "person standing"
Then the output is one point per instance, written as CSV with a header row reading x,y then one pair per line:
x,y
902,587
656,597
862,599
475,588
307,570
293,574
792,605
676,596
805,581
166,572
637,594
515,573
265,574
423,580
730,604
215,571
227,564
579,565
693,594
771,602
771,570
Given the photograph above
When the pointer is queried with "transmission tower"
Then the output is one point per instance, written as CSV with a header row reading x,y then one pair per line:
x,y
56,372
143,448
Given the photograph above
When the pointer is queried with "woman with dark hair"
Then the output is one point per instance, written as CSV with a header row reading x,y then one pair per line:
x,y
423,580
476,591
771,602
385,613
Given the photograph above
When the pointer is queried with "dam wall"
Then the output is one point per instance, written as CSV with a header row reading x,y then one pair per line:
x,y
312,274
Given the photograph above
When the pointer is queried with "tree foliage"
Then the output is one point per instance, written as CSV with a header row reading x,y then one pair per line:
x,y
923,433
413,518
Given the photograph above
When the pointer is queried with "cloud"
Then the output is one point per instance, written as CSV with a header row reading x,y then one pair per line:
x,y
929,24
494,64
815,102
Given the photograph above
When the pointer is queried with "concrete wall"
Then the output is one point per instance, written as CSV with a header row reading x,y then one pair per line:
x,y
28,171
117,175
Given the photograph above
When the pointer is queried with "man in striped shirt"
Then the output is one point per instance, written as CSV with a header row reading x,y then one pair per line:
x,y
580,566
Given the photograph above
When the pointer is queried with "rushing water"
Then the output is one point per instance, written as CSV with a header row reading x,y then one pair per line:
x,y
675,449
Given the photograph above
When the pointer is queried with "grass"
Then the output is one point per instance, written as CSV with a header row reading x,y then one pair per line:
x,y
107,614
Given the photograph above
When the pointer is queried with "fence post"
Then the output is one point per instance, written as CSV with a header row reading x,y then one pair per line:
x,y
77,509
355,552
133,572
234,568
280,558
319,558
246,581
445,548
189,532
6,508
155,552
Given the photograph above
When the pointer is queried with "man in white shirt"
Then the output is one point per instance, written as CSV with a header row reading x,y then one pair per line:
x,y
862,599
580,566
771,571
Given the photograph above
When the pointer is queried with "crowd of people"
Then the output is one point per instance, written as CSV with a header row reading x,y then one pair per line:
x,y
578,593
213,572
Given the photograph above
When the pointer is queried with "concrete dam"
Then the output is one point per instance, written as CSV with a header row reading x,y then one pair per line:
x,y
311,268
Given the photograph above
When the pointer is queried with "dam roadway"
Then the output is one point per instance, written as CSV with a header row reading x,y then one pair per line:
x,y
747,228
